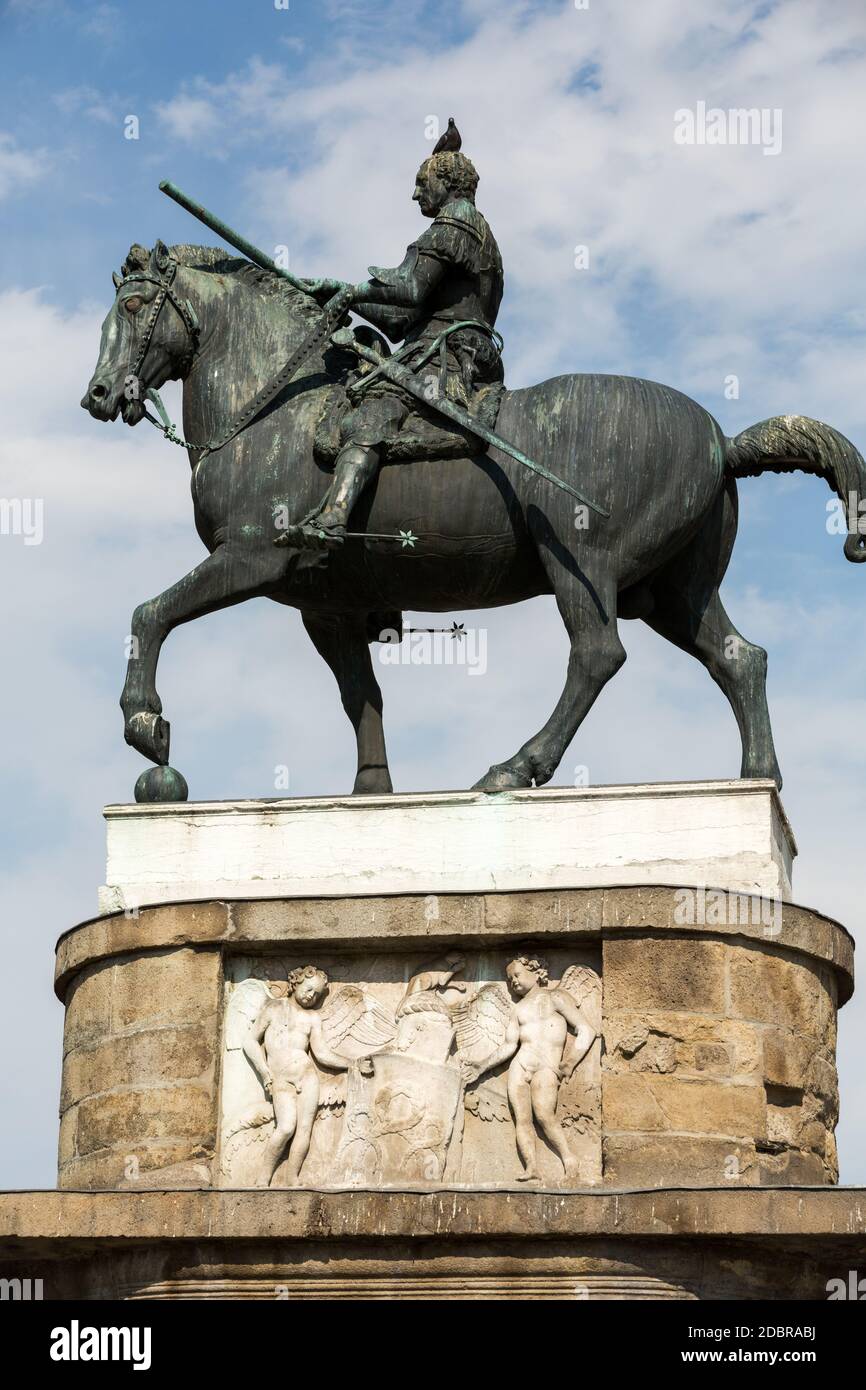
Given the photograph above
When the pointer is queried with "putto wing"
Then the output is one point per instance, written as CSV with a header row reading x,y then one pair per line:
x,y
584,985
245,1001
354,1021
254,1118
332,1091
481,1022
487,1102
242,1145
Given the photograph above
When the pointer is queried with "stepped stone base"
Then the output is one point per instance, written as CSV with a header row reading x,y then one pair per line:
x,y
777,1244
565,1044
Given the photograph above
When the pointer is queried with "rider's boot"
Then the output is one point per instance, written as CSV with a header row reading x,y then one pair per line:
x,y
326,529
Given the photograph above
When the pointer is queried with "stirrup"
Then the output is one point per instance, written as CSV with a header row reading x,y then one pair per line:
x,y
313,535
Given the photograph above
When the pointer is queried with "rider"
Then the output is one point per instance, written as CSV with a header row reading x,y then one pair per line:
x,y
452,273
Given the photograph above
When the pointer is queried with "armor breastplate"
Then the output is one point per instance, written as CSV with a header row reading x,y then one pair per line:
x,y
461,237
472,286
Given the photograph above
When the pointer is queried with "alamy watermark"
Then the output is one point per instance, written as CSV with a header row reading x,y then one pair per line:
x,y
77,1343
852,1289
717,907
847,518
454,646
23,516
754,125
21,1290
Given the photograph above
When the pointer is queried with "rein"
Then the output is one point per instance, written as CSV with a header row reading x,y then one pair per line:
x,y
331,315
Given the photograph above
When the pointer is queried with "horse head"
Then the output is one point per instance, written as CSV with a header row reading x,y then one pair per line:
x,y
149,336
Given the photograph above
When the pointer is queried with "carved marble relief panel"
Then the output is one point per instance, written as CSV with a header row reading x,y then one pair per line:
x,y
391,1071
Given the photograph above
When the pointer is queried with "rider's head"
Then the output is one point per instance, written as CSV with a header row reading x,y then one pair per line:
x,y
442,178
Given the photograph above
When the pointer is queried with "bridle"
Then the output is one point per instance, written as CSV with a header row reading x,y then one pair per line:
x,y
164,292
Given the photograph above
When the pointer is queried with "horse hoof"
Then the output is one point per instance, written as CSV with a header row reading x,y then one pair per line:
x,y
502,778
161,784
149,734
372,781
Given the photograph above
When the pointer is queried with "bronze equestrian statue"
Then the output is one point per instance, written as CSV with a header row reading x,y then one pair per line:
x,y
490,523
442,302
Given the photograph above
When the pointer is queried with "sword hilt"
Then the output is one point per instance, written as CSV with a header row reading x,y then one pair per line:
x,y
345,338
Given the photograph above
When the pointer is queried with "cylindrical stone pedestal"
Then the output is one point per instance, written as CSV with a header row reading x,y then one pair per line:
x,y
715,1063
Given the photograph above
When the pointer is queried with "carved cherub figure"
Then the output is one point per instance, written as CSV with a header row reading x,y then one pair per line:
x,y
541,1054
286,1031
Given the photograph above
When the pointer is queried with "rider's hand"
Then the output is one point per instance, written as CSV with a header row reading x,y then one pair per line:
x,y
323,290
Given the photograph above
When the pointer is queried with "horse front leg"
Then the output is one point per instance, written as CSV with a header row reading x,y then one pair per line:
x,y
230,575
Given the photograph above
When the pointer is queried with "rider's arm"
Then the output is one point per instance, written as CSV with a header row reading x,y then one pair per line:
x,y
407,287
392,300
393,322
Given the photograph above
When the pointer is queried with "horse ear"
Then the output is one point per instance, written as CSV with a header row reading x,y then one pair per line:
x,y
118,279
136,259
159,257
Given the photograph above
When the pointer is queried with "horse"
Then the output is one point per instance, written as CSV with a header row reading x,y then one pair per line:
x,y
489,532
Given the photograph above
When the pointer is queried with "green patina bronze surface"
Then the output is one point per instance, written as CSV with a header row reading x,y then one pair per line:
x,y
301,478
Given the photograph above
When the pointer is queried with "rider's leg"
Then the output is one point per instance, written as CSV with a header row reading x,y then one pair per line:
x,y
354,468
365,430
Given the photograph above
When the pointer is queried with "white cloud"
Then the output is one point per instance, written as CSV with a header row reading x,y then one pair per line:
x,y
190,118
19,168
692,230
86,100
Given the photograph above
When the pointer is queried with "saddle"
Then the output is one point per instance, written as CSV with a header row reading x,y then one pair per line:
x,y
425,435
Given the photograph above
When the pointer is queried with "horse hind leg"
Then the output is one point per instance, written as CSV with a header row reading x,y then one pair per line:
x,y
596,653
342,641
696,621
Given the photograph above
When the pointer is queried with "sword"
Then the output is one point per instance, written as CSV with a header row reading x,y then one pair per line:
x,y
402,376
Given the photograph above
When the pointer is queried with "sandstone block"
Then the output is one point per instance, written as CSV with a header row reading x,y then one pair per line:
x,y
669,1103
668,973
788,992
160,1163
649,1160
88,1005
136,1116
149,1057
165,987
791,1168
699,1044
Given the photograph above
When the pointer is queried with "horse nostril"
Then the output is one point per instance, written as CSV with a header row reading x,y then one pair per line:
x,y
97,392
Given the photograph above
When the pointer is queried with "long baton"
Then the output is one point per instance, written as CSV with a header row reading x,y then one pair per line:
x,y
227,233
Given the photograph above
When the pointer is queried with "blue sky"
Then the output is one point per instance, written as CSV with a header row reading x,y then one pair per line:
x,y
304,128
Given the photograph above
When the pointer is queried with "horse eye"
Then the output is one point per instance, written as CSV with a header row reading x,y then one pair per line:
x,y
133,304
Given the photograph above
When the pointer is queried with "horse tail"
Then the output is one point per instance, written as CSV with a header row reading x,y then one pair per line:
x,y
792,443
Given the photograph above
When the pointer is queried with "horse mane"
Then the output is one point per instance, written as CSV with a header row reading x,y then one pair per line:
x,y
214,260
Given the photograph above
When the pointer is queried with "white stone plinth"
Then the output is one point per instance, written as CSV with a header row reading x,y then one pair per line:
x,y
730,835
